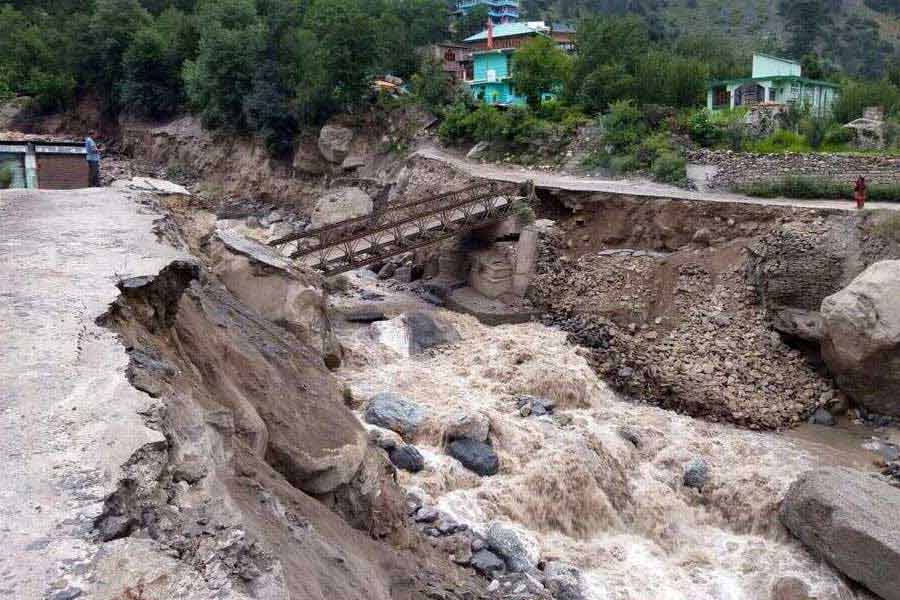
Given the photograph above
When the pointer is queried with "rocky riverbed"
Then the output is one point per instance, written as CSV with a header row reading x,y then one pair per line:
x,y
592,492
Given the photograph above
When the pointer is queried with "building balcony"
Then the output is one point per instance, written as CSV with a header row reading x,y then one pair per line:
x,y
467,4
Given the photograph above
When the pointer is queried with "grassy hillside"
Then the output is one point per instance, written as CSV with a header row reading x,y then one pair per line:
x,y
860,36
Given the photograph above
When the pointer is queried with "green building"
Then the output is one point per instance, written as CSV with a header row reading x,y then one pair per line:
x,y
492,54
773,81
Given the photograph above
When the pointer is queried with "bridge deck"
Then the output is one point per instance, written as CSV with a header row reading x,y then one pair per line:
x,y
400,228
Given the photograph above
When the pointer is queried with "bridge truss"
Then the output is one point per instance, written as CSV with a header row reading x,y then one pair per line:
x,y
396,229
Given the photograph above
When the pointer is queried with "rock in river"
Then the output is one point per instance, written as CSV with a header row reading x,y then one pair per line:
x,y
517,550
850,519
394,412
475,456
696,475
467,426
486,562
406,457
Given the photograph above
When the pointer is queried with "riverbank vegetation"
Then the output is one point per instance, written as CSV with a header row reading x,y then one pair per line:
x,y
271,67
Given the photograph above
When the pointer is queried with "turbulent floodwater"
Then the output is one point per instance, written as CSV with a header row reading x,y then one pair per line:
x,y
579,490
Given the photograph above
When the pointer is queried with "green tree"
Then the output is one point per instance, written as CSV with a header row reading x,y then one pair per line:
x,y
343,52
539,66
431,86
806,21
608,51
152,85
101,48
403,27
475,21
221,77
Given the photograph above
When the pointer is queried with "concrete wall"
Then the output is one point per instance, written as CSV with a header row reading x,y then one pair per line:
x,y
769,66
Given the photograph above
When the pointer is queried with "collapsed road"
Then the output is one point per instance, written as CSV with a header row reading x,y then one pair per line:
x,y
70,417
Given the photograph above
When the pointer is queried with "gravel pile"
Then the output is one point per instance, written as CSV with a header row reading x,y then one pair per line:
x,y
675,332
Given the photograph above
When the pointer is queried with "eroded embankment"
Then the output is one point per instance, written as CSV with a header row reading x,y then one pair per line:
x,y
265,486
677,300
598,483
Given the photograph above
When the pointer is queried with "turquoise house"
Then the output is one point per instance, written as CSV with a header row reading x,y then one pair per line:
x,y
492,61
491,80
773,81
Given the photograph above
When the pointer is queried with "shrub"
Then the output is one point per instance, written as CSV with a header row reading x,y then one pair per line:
x,y
702,130
668,167
5,177
837,137
623,126
814,130
524,213
734,134
453,129
781,141
486,124
623,163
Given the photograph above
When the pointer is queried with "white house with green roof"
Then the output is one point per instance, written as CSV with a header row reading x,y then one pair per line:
x,y
774,81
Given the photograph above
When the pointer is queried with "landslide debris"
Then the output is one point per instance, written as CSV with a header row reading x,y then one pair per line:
x,y
680,330
266,486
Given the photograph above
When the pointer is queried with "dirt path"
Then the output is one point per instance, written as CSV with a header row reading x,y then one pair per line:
x,y
574,183
68,417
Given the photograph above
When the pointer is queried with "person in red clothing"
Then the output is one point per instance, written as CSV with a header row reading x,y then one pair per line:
x,y
859,192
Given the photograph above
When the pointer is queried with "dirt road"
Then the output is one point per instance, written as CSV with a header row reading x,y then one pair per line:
x,y
639,188
68,416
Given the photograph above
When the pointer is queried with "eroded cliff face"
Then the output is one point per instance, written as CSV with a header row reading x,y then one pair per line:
x,y
265,486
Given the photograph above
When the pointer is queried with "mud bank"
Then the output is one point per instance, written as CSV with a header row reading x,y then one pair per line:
x,y
265,485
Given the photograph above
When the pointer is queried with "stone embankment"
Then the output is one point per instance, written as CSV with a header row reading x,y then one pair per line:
x,y
735,168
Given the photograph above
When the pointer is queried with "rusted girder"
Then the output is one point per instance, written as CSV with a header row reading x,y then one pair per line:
x,y
399,228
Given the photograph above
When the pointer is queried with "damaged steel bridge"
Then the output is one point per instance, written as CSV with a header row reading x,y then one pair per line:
x,y
398,228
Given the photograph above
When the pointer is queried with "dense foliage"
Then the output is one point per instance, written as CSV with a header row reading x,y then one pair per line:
x,y
267,67
254,66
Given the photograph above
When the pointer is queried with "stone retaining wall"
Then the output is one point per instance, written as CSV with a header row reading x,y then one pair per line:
x,y
735,168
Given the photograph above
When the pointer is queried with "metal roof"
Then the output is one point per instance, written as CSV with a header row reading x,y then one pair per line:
x,y
775,78
505,30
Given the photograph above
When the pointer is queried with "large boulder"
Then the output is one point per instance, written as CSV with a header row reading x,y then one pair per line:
x,y
334,143
468,426
393,411
850,519
428,331
413,333
408,458
517,548
563,581
339,205
475,456
861,344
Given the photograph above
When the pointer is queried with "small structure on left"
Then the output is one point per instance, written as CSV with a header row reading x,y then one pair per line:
x,y
37,164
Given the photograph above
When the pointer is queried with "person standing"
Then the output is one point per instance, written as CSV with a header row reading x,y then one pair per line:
x,y
859,192
93,159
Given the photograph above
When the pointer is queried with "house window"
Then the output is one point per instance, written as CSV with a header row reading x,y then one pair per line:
x,y
450,56
720,97
771,94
